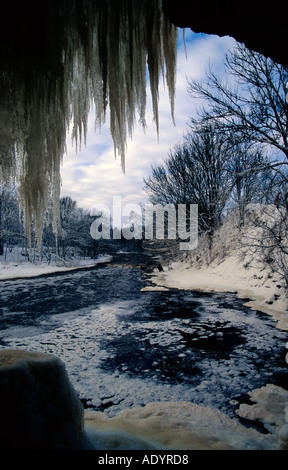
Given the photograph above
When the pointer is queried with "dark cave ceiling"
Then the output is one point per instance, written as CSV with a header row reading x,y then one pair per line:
x,y
261,26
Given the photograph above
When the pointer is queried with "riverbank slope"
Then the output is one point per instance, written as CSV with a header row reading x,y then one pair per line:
x,y
235,263
13,267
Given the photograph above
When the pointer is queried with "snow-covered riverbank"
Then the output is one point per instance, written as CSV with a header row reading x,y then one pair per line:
x,y
186,426
13,267
262,291
235,267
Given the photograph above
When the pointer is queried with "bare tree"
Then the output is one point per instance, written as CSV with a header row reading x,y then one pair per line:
x,y
197,172
253,179
73,232
267,242
12,231
251,105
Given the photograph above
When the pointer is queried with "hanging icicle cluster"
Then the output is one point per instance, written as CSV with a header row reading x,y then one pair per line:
x,y
58,59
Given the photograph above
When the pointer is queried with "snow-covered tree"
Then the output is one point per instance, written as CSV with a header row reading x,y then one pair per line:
x,y
249,103
196,172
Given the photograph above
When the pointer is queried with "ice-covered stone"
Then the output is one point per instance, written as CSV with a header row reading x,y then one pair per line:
x,y
39,407
180,425
271,407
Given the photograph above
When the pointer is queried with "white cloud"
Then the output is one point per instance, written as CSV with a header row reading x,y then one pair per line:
x,y
93,176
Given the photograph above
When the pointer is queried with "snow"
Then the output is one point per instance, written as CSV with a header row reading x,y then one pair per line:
x,y
229,276
153,288
232,270
182,426
15,267
271,407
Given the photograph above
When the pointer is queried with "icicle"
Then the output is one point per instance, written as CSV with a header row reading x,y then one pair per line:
x,y
93,52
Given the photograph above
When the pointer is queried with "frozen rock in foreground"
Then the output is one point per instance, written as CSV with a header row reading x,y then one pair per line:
x,y
182,426
271,407
39,408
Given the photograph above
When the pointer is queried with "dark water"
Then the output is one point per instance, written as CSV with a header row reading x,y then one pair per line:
x,y
124,348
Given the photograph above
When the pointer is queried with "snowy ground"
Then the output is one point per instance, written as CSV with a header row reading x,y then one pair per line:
x,y
233,269
230,276
186,426
16,266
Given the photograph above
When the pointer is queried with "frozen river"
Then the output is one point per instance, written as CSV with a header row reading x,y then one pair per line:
x,y
124,347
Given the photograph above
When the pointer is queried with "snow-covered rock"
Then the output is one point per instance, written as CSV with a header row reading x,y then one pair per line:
x,y
39,408
271,407
182,426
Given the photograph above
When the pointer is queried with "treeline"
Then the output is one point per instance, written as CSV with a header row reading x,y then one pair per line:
x,y
72,238
236,151
208,170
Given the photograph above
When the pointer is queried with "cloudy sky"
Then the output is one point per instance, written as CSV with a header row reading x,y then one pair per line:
x,y
93,176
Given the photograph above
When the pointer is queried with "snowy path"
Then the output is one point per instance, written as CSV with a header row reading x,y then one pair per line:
x,y
124,347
